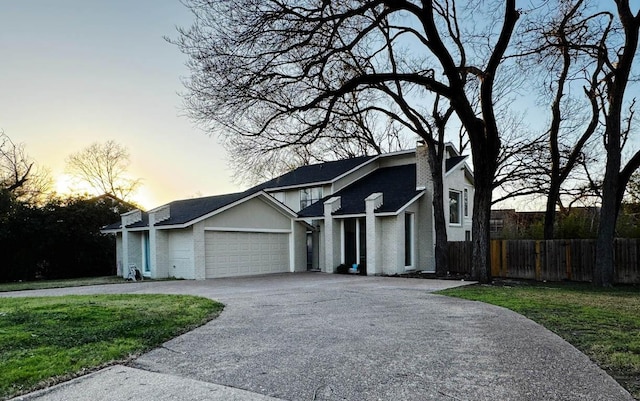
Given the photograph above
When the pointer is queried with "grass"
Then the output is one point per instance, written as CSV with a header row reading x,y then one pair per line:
x,y
44,340
74,282
602,323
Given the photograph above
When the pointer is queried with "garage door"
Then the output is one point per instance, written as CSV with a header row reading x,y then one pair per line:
x,y
229,254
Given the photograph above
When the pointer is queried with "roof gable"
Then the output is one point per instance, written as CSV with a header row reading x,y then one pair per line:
x,y
315,173
397,184
452,162
186,210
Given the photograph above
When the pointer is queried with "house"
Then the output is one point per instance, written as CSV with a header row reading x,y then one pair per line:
x,y
373,211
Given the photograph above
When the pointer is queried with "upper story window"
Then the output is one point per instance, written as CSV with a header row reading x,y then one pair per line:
x,y
309,196
454,207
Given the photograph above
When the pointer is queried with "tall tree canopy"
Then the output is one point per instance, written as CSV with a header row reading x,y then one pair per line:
x,y
288,72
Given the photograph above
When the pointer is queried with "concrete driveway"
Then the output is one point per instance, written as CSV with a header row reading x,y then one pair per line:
x,y
314,336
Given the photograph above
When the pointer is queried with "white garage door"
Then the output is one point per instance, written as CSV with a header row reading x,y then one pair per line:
x,y
229,254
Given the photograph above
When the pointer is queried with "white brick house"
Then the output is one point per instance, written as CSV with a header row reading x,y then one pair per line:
x,y
373,211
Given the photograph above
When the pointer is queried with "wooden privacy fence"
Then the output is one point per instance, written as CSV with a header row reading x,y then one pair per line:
x,y
553,260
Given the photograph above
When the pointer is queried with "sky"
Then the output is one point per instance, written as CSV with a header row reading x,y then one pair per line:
x,y
74,72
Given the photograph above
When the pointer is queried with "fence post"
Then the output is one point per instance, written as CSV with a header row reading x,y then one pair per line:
x,y
496,269
505,260
538,261
567,250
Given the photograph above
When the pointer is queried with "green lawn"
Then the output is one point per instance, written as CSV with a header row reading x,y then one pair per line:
x,y
48,339
602,323
72,282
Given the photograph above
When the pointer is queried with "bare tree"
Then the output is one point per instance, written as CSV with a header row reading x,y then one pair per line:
x,y
103,166
618,60
20,175
287,72
15,165
565,44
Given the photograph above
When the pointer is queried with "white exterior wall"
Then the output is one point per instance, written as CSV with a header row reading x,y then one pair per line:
x,y
321,245
372,235
252,214
389,245
457,181
160,252
397,160
180,255
425,241
119,261
292,199
299,247
134,246
356,175
332,236
199,251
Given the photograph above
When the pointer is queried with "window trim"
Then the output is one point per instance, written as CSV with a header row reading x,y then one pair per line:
x,y
459,193
310,200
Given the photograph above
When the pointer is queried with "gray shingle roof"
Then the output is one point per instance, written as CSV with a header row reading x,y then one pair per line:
x,y
186,210
397,184
315,173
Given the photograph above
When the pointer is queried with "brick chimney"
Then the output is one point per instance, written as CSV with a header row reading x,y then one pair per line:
x,y
423,170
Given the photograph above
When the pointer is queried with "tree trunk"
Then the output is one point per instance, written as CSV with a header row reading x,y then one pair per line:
x,y
603,272
442,247
481,264
550,212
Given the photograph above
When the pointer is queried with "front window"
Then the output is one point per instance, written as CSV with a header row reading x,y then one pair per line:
x,y
408,239
309,196
454,207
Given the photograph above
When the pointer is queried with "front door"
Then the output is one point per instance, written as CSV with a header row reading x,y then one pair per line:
x,y
354,242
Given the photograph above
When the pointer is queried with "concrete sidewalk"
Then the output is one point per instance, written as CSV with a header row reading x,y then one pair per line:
x,y
125,383
330,337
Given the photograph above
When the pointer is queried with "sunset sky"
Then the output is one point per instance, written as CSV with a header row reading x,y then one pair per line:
x,y
75,72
